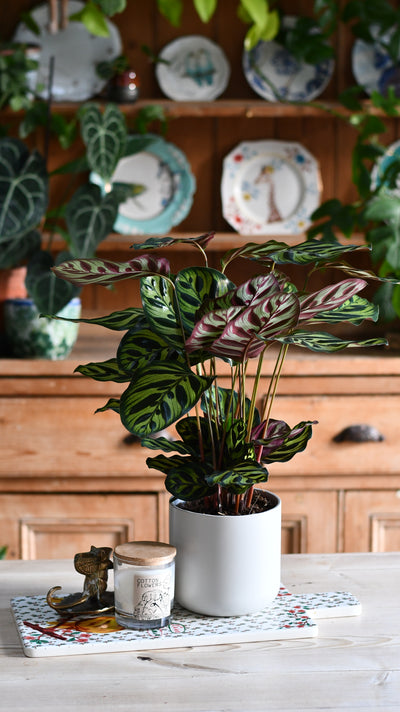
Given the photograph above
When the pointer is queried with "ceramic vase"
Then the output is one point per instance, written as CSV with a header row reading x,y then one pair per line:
x,y
226,565
32,336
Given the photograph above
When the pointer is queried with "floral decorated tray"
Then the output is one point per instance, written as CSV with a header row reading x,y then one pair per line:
x,y
44,634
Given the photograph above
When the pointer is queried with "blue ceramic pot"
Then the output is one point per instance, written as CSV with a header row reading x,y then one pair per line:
x,y
31,336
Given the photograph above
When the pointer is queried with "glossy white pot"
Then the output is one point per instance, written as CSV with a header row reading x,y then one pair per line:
x,y
226,565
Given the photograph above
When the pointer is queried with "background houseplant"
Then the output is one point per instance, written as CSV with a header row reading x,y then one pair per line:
x,y
168,359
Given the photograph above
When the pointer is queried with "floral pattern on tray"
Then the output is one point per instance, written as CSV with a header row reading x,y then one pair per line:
x,y
43,634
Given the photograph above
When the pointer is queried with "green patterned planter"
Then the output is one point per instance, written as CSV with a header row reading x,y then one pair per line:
x,y
31,336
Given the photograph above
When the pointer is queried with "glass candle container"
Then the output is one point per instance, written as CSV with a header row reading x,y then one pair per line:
x,y
144,579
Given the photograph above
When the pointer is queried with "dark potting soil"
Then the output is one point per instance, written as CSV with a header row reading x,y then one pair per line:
x,y
261,502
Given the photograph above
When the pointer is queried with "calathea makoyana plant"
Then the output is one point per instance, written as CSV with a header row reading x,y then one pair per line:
x,y
169,352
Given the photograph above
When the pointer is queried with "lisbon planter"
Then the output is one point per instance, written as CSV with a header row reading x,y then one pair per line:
x,y
32,336
226,565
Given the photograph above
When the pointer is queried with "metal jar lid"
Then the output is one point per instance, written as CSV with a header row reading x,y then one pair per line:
x,y
145,553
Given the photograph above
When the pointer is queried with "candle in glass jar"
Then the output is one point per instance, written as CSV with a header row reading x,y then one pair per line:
x,y
144,578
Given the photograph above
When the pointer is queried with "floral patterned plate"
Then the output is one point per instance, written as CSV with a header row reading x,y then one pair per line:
x,y
166,189
270,187
275,74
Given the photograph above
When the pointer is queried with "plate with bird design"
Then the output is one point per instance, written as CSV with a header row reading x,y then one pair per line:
x,y
270,187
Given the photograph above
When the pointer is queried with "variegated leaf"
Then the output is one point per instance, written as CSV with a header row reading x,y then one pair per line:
x,y
249,293
158,395
116,321
295,441
104,135
276,432
90,218
210,327
362,273
320,341
158,300
98,271
312,251
239,478
141,346
354,310
254,251
193,286
329,297
112,404
166,445
188,481
104,371
153,243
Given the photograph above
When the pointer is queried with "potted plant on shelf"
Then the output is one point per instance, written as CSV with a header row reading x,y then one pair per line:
x,y
168,359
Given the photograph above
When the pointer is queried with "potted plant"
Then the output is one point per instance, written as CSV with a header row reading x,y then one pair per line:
x,y
167,359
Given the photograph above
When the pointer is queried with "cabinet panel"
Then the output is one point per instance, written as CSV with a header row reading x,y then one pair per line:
x,y
372,521
56,526
309,522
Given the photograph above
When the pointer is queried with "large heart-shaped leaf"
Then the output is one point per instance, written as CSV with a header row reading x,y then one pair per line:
x,y
104,135
193,286
158,295
90,218
49,293
16,250
23,189
158,395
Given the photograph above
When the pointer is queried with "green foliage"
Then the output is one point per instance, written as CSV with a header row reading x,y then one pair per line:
x,y
14,66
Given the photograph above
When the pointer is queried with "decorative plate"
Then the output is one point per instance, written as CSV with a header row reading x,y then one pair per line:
x,y
270,187
194,69
373,68
76,53
167,188
275,74
391,156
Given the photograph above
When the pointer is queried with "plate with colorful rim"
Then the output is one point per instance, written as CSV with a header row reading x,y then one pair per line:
x,y
373,68
275,74
193,68
390,158
166,191
270,187
76,53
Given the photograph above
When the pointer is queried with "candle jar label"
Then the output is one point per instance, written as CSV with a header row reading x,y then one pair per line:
x,y
152,595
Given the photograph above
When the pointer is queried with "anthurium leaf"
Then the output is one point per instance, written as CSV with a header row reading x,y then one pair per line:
x,y
158,395
157,295
109,370
98,271
188,481
112,404
193,286
354,310
16,250
320,341
23,189
166,445
141,346
172,10
104,136
49,293
329,297
295,441
205,9
239,478
90,218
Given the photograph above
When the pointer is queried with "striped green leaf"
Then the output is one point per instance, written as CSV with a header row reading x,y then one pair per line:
x,y
104,371
158,395
90,218
188,481
98,271
157,296
112,404
116,321
154,243
355,310
193,286
311,252
321,341
166,445
104,135
140,346
239,478
294,440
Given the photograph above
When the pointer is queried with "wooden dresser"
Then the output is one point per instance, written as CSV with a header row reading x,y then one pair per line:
x,y
69,478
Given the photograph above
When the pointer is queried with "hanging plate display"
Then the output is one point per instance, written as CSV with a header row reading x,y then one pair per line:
x,y
193,68
163,193
373,69
76,53
270,187
275,74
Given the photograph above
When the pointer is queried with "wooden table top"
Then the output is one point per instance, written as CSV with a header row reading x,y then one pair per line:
x,y
353,664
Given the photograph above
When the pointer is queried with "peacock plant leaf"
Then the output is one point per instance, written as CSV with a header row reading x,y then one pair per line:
x,y
23,189
112,404
251,292
281,442
141,346
225,403
195,285
167,445
253,251
188,480
158,395
116,321
188,429
239,478
98,271
329,297
210,327
362,273
354,310
312,252
104,135
154,243
90,218
158,299
109,370
321,341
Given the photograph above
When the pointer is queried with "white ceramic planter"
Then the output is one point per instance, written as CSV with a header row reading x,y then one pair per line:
x,y
226,565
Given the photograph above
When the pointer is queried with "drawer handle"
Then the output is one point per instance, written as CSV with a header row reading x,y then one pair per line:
x,y
359,434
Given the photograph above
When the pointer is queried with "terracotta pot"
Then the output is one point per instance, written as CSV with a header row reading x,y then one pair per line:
x,y
12,286
226,565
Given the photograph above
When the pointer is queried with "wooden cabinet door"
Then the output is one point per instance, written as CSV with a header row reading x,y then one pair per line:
x,y
372,521
57,526
309,522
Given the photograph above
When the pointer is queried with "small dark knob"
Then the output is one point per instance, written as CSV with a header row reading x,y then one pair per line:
x,y
359,434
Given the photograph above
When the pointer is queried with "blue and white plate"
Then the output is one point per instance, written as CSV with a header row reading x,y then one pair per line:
x,y
373,69
193,68
275,74
270,187
166,189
